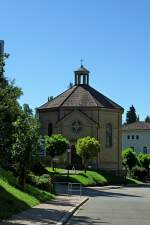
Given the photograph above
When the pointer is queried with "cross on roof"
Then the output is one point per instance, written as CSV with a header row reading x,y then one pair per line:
x,y
81,62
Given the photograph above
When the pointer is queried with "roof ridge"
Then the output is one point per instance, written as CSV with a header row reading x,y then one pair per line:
x,y
111,102
81,96
68,95
57,96
91,96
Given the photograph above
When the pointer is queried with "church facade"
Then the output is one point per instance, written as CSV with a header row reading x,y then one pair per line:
x,y
82,111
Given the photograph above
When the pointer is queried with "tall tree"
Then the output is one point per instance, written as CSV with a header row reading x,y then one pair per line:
x,y
25,146
9,110
131,115
147,119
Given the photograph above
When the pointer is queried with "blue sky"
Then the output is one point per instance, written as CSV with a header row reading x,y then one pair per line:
x,y
47,38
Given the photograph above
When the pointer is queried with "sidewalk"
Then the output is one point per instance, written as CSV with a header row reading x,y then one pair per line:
x,y
54,212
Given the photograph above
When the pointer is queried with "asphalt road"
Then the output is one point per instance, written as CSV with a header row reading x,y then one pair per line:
x,y
115,206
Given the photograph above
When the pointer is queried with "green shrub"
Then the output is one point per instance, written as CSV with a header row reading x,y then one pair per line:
x,y
41,182
139,172
129,159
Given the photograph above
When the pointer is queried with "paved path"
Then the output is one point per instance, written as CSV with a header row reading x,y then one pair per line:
x,y
46,213
115,206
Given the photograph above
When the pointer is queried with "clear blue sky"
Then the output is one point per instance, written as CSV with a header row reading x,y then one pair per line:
x,y
47,38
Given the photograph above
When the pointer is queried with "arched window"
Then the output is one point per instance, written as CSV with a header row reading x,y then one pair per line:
x,y
50,129
108,135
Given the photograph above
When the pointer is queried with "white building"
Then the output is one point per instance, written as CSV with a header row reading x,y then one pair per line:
x,y
137,136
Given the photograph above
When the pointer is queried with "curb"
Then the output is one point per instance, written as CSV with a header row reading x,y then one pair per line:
x,y
138,185
67,216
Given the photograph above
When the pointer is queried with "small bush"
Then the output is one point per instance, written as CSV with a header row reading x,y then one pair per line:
x,y
41,182
139,172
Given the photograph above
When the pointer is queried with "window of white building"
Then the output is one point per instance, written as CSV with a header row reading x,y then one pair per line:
x,y
145,149
137,137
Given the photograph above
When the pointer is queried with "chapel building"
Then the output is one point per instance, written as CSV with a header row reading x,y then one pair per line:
x,y
82,111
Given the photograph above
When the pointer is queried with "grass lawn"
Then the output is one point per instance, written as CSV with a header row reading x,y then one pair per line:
x,y
91,178
13,200
131,180
57,170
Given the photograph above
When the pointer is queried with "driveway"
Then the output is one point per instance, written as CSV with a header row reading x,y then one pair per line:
x,y
115,206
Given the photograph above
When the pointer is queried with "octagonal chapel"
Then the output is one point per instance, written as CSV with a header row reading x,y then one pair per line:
x,y
83,111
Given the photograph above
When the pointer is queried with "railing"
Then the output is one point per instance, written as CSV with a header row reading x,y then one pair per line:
x,y
74,187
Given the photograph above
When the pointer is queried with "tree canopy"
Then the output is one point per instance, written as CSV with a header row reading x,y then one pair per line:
x,y
131,115
26,136
87,148
129,158
144,160
9,110
147,119
56,145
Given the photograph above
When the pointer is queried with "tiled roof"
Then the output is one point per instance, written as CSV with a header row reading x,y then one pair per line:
x,y
141,125
81,96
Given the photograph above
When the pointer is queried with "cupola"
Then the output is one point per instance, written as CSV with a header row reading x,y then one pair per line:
x,y
81,76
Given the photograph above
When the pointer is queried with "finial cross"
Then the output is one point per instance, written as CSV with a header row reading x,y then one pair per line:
x,y
81,62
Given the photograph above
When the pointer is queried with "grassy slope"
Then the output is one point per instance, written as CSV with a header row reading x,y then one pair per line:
x,y
13,200
92,178
133,181
89,178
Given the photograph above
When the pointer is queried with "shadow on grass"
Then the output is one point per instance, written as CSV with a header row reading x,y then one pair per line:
x,y
64,178
39,194
9,204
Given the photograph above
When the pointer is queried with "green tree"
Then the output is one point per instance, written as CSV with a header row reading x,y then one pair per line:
x,y
129,159
144,160
9,110
70,85
25,146
56,145
131,115
147,119
50,98
27,110
87,148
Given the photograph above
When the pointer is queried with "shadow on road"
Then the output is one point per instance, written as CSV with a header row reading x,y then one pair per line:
x,y
106,193
85,220
95,192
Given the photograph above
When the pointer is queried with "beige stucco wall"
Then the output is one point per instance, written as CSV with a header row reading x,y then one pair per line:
x,y
110,158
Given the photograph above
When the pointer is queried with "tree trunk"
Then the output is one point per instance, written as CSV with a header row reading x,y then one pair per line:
x,y
52,164
21,179
148,171
85,169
